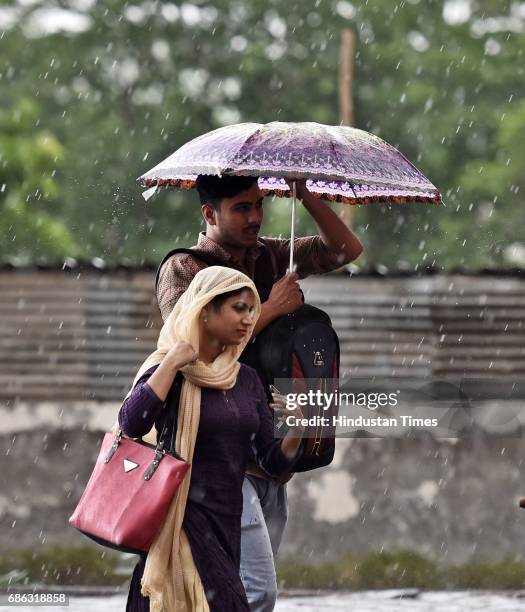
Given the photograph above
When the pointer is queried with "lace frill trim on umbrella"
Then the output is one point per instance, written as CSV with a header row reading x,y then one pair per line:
x,y
333,191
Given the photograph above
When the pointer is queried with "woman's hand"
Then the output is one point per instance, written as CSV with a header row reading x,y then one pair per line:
x,y
293,419
283,408
180,354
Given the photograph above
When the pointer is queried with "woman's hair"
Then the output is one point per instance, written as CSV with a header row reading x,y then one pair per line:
x,y
212,189
219,300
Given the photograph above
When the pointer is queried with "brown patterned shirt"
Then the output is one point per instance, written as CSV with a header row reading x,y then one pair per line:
x,y
311,256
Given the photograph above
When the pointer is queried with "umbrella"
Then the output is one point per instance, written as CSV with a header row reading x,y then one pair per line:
x,y
340,163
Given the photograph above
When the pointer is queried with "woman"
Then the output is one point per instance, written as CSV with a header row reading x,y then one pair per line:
x,y
193,564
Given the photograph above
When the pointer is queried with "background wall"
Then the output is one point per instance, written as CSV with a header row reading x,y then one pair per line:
x,y
70,343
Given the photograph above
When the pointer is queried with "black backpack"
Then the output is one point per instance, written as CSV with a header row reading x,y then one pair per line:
x,y
302,346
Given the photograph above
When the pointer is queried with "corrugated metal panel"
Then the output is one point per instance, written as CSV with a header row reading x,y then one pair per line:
x,y
82,336
69,336
441,326
384,325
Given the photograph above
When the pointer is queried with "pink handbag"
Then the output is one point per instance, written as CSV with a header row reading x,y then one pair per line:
x,y
128,494
130,491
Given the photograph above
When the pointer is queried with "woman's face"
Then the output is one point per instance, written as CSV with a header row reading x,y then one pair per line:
x,y
231,323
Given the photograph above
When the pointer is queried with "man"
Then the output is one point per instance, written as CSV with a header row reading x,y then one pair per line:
x,y
232,208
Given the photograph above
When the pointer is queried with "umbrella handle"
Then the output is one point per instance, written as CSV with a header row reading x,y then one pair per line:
x,y
292,230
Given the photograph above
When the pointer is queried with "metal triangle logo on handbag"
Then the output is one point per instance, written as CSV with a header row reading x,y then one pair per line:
x,y
129,465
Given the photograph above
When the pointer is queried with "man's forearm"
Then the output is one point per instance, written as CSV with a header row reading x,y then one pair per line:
x,y
336,236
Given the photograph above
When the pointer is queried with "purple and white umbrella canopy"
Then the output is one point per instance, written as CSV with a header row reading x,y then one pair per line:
x,y
340,163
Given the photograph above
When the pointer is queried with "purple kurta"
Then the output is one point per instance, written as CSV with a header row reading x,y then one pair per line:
x,y
231,424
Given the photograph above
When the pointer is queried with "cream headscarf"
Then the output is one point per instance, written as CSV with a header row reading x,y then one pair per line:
x,y
170,578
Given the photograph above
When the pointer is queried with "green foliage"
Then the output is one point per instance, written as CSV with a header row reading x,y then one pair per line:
x,y
509,573
29,189
140,79
400,570
80,565
297,575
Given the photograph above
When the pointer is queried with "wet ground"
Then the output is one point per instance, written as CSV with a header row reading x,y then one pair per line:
x,y
368,601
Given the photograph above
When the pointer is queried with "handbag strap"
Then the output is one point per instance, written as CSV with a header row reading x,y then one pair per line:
x,y
170,425
170,422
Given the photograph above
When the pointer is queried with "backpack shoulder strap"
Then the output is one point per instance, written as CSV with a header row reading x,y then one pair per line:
x,y
207,258
266,272
266,266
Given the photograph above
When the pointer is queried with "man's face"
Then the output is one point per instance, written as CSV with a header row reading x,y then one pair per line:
x,y
238,219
